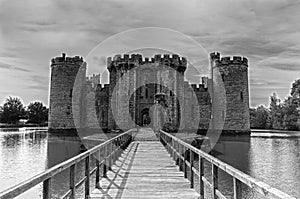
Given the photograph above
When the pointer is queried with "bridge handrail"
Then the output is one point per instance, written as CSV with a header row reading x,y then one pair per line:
x,y
176,147
111,153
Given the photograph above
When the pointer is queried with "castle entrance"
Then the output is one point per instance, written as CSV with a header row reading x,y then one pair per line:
x,y
145,119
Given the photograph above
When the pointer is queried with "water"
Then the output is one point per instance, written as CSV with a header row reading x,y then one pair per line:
x,y
275,161
25,153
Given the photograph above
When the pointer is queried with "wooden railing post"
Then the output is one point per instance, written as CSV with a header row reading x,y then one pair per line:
x,y
180,156
171,148
72,181
168,146
109,156
47,189
191,168
175,151
113,148
98,160
201,174
116,149
112,153
119,148
214,174
105,162
87,175
237,189
185,151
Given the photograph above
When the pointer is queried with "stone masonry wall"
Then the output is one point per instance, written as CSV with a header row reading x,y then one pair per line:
x,y
234,74
195,100
63,74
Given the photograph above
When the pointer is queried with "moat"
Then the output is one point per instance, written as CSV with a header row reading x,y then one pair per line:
x,y
25,153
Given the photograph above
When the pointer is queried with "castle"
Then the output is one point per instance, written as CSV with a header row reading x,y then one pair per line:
x,y
148,92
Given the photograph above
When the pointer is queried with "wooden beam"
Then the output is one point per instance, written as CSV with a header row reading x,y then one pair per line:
x,y
47,189
191,168
87,175
201,174
237,189
72,181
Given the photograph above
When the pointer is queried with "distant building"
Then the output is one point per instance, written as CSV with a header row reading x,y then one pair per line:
x,y
139,87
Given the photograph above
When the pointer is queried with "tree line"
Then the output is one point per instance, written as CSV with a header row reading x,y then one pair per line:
x,y
13,110
280,114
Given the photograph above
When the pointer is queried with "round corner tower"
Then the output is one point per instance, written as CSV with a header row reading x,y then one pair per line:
x,y
64,71
234,73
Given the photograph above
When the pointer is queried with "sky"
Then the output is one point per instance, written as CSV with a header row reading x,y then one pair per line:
x,y
267,32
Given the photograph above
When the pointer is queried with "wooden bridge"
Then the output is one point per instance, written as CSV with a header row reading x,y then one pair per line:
x,y
145,164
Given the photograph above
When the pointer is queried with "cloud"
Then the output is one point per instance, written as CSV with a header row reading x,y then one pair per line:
x,y
282,63
267,32
37,82
10,67
38,87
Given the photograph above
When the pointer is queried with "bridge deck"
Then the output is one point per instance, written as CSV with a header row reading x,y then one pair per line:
x,y
145,170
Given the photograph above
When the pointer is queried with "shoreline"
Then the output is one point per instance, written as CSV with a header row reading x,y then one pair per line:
x,y
271,133
5,126
263,133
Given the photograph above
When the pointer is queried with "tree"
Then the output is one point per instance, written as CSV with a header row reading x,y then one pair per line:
x,y
295,91
291,114
259,117
12,110
37,113
292,108
276,112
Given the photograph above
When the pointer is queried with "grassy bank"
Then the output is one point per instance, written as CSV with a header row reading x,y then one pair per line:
x,y
22,125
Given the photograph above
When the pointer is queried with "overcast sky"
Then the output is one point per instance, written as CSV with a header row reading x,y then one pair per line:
x,y
34,31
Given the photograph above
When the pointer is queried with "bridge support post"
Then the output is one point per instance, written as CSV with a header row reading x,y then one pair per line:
x,y
191,168
237,189
72,181
176,155
113,146
105,162
201,174
184,162
180,157
46,189
87,175
109,156
214,174
98,170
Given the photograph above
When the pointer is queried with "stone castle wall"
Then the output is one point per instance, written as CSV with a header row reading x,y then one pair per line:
x,y
193,112
134,71
64,71
233,73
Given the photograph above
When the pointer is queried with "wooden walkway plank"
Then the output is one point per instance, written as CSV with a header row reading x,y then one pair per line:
x,y
144,170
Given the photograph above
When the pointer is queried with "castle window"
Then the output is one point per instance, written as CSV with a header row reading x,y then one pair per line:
x,y
71,92
241,96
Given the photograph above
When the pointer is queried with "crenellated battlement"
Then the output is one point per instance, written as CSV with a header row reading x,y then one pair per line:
x,y
162,69
237,60
215,56
234,60
69,60
175,61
